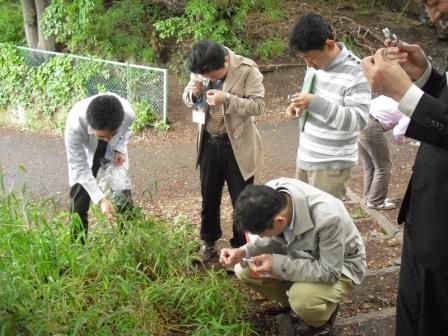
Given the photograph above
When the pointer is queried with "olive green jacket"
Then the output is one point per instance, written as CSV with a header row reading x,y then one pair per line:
x,y
325,242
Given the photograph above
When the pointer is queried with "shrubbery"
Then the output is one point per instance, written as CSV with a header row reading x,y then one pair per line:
x,y
40,96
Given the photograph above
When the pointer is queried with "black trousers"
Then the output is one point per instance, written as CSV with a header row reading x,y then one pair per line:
x,y
422,306
218,165
80,199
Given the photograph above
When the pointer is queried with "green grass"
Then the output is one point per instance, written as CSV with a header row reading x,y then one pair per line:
x,y
270,48
138,284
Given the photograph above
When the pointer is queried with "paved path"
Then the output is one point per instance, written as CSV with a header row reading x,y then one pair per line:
x,y
39,161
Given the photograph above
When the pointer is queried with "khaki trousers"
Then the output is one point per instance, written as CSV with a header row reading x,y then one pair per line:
x,y
332,181
314,302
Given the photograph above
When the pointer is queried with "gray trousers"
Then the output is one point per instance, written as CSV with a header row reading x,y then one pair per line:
x,y
374,153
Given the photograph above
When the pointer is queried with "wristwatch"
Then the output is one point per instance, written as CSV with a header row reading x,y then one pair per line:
x,y
227,98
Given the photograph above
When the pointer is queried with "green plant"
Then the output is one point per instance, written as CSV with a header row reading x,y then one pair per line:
x,y
161,126
272,9
207,20
141,283
144,116
13,72
270,48
11,22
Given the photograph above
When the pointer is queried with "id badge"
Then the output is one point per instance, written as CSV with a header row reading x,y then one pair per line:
x,y
199,116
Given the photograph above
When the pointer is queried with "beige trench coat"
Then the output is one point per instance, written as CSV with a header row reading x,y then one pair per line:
x,y
245,83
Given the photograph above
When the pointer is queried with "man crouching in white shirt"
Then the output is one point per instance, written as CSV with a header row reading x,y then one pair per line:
x,y
97,127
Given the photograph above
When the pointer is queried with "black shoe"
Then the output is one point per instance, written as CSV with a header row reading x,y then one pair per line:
x,y
325,330
275,309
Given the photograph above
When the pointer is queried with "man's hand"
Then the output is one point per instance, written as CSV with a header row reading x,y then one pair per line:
x,y
195,87
119,159
262,263
230,257
385,76
107,209
215,97
302,100
293,112
410,56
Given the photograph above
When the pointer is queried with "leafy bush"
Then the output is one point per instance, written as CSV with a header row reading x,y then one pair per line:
x,y
270,48
137,284
120,32
41,95
144,116
11,22
207,20
44,93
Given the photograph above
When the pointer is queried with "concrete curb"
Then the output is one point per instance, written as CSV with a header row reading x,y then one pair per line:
x,y
363,318
393,231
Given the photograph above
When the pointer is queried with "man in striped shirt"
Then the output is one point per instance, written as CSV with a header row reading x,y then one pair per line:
x,y
336,110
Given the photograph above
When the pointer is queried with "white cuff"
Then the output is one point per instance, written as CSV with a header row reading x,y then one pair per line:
x,y
410,100
247,252
424,78
97,196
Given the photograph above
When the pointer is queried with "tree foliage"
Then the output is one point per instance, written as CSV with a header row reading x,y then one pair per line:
x,y
11,23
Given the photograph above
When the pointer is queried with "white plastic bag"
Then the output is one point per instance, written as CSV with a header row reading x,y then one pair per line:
x,y
115,183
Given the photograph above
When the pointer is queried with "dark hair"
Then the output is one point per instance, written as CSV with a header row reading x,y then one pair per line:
x,y
206,56
105,113
256,207
310,33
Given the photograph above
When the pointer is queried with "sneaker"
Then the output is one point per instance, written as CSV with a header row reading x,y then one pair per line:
x,y
206,252
386,205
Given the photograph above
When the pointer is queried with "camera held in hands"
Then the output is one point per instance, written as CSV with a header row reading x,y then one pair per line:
x,y
390,36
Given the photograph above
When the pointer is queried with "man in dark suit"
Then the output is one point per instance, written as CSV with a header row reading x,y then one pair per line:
x,y
399,71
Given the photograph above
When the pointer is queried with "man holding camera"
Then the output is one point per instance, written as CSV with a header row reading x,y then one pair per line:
x,y
309,246
403,72
229,89
337,107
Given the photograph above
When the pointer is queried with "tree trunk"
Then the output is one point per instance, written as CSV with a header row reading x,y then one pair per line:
x,y
33,11
44,43
30,22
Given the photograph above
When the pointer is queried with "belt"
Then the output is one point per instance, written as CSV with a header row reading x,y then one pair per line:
x,y
216,136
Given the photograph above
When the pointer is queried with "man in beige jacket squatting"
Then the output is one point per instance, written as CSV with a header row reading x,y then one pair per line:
x,y
309,246
228,92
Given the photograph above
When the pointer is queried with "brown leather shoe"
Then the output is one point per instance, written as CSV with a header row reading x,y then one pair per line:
x,y
325,330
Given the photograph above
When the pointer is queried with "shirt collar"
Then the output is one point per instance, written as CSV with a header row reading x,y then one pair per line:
x,y
340,57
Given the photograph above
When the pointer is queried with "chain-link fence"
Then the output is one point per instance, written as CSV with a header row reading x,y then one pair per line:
x,y
139,84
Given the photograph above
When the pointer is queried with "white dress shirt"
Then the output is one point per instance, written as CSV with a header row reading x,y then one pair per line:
x,y
81,143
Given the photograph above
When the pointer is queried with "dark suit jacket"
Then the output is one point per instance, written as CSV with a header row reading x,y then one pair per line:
x,y
425,205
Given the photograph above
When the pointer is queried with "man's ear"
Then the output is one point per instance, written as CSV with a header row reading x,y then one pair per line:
x,y
280,221
330,44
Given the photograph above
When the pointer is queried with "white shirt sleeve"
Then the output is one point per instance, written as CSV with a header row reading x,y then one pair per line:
x,y
79,164
410,100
